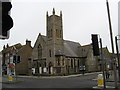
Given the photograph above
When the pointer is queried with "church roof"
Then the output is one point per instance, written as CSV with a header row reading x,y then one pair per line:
x,y
71,48
84,50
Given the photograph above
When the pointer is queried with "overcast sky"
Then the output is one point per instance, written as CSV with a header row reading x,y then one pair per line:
x,y
81,18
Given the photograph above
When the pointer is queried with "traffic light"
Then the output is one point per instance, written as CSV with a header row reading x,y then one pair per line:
x,y
7,22
95,45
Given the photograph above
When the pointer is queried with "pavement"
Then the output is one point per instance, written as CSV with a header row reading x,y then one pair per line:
x,y
111,79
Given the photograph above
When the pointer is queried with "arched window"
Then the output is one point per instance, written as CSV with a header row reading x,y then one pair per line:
x,y
60,33
51,33
39,51
58,61
57,33
72,63
48,33
50,53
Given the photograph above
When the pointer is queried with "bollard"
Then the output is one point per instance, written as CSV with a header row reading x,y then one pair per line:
x,y
100,80
10,77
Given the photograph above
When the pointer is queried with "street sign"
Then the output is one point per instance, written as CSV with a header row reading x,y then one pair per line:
x,y
33,70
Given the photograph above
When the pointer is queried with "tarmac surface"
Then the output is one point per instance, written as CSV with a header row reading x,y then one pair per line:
x,y
110,80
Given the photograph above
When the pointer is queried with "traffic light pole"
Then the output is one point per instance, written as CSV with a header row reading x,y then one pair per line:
x,y
118,57
103,68
111,36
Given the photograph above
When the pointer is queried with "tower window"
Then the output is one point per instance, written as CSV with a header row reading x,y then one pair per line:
x,y
78,63
50,53
51,33
45,64
72,63
57,33
63,61
60,33
48,34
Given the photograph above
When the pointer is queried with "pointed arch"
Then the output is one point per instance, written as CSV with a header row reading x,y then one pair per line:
x,y
39,51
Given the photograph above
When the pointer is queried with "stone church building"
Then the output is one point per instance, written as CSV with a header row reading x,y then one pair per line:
x,y
54,55
51,53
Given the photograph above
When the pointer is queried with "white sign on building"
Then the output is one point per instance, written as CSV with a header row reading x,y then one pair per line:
x,y
45,69
33,70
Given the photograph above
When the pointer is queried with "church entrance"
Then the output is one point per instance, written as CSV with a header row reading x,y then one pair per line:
x,y
50,69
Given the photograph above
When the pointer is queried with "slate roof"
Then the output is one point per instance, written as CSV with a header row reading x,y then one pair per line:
x,y
70,48
16,46
83,50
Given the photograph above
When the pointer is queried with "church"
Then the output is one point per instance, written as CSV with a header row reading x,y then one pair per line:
x,y
53,55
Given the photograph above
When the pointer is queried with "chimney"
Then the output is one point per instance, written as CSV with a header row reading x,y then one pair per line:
x,y
3,47
7,45
28,43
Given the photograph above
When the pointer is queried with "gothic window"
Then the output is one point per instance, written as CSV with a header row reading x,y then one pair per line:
x,y
48,34
60,33
78,63
45,64
72,63
57,33
69,62
51,33
50,53
39,51
63,61
58,61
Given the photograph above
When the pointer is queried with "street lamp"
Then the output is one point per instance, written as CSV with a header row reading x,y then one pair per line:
x,y
112,45
118,55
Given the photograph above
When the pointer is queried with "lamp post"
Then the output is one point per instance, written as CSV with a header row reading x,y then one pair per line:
x,y
118,56
103,62
112,45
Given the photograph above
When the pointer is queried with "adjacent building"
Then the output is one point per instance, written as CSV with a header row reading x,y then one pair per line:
x,y
8,63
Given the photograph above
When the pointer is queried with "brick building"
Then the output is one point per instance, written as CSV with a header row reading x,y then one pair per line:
x,y
8,52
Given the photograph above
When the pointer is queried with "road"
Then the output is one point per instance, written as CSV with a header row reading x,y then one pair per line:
x,y
82,81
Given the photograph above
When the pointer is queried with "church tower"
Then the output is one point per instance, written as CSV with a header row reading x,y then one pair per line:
x,y
54,33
